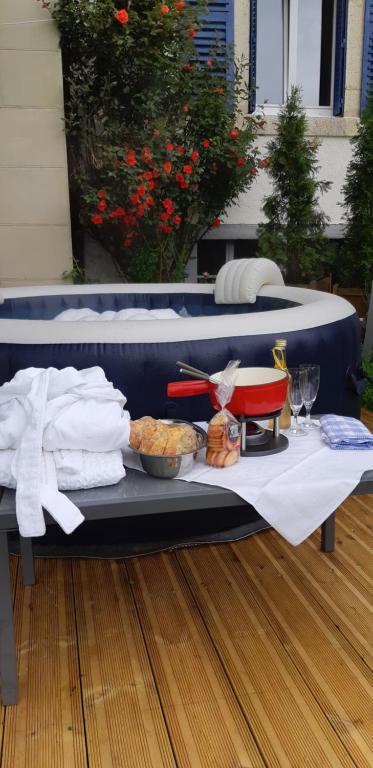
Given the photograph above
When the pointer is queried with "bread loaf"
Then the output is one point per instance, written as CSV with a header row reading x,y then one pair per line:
x,y
155,438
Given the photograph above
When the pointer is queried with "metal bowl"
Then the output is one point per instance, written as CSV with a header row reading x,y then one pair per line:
x,y
172,466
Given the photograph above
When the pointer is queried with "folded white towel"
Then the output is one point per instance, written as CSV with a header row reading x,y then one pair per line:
x,y
75,470
44,411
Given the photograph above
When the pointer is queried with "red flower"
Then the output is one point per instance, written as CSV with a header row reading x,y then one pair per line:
x,y
102,205
184,185
96,219
165,9
180,5
253,170
167,203
186,108
127,242
101,193
210,63
140,211
241,161
129,220
179,178
148,175
164,216
194,155
167,167
141,191
149,200
187,67
180,150
165,228
117,213
177,220
233,134
205,143
134,198
191,32
131,157
122,16
169,147
151,186
219,90
216,223
155,174
188,169
264,163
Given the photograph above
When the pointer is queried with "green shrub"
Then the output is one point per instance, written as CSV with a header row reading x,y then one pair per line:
x,y
293,234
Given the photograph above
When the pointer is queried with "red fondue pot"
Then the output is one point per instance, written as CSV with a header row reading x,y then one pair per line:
x,y
258,391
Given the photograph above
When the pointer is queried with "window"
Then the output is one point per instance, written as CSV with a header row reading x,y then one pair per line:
x,y
298,42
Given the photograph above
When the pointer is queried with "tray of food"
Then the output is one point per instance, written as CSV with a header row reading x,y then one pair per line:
x,y
166,447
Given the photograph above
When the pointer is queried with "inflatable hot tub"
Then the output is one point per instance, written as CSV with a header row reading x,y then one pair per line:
x,y
140,357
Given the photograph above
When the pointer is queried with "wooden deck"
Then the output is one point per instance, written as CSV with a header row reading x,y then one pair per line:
x,y
228,656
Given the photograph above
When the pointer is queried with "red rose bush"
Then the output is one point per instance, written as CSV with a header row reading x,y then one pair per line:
x,y
158,146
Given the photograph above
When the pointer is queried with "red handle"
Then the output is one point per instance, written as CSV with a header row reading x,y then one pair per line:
x,y
187,388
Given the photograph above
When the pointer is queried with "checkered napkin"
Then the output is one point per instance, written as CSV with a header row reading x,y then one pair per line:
x,y
345,433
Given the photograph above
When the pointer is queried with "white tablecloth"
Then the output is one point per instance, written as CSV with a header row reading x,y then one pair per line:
x,y
296,490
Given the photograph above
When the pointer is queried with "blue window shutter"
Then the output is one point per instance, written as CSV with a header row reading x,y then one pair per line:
x,y
340,57
367,70
216,30
252,56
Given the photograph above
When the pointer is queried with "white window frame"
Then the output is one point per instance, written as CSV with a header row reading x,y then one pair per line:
x,y
290,62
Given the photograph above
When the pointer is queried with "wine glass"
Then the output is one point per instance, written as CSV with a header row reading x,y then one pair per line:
x,y
297,377
310,389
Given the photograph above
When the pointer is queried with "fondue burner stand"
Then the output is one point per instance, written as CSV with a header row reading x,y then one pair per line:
x,y
257,441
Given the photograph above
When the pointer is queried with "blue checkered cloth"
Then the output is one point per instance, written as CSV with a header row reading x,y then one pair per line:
x,y
344,433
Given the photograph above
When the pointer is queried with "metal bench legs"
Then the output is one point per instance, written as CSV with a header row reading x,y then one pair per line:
x,y
328,534
27,561
8,657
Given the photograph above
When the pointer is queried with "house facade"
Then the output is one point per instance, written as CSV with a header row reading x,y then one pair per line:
x,y
325,46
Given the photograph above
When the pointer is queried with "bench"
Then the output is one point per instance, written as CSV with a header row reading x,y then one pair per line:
x,y
136,494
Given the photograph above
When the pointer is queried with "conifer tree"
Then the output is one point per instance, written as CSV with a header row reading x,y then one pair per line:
x,y
357,257
293,234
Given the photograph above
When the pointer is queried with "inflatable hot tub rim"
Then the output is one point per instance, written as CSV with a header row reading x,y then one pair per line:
x,y
313,309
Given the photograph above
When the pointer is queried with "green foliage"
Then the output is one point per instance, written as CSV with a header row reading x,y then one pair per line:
x,y
75,274
148,122
367,396
293,234
357,258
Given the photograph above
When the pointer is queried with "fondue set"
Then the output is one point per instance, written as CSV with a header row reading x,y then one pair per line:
x,y
259,394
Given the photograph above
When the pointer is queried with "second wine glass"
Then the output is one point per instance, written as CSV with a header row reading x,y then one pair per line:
x,y
310,387
296,387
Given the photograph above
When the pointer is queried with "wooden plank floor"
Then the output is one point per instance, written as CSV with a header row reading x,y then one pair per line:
x,y
250,654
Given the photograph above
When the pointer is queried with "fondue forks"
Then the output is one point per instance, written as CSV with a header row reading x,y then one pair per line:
x,y
191,371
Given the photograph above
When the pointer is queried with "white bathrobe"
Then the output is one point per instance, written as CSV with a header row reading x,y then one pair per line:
x,y
62,427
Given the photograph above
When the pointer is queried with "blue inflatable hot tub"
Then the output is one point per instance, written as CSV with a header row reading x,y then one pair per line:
x,y
140,357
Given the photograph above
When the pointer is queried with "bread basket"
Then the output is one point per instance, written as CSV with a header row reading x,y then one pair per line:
x,y
172,466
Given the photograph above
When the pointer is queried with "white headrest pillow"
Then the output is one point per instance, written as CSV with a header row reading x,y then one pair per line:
x,y
239,281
